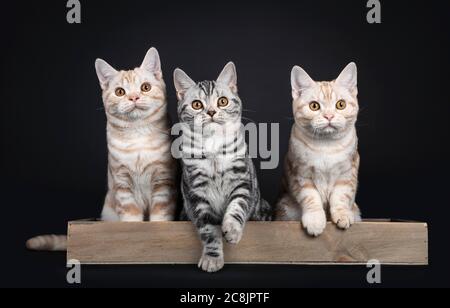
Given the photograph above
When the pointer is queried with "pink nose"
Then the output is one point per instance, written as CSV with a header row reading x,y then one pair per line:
x,y
211,113
329,117
134,98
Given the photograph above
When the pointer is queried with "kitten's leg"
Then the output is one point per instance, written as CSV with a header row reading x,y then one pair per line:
x,y
127,207
198,208
236,216
208,226
314,219
344,211
164,196
109,212
342,204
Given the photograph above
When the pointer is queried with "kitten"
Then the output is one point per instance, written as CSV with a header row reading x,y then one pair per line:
x,y
141,170
219,182
321,169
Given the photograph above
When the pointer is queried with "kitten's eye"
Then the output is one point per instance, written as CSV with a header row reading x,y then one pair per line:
x,y
146,87
197,105
315,106
120,92
341,105
223,102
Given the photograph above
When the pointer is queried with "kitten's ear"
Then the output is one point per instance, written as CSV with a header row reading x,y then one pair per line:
x,y
105,72
229,76
300,81
182,83
152,63
349,78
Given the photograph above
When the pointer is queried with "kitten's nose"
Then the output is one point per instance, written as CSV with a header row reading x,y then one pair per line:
x,y
133,98
329,117
211,113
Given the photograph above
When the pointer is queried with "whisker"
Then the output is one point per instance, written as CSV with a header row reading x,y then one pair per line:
x,y
248,119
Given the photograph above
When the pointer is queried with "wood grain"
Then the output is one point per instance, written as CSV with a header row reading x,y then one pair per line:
x,y
393,243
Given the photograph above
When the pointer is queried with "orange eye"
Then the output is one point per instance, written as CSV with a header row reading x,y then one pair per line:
x,y
120,92
341,105
197,105
315,106
146,87
223,102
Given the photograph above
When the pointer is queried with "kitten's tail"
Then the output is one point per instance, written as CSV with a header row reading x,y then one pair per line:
x,y
48,243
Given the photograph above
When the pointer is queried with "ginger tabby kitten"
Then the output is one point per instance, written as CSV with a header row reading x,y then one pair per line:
x,y
321,169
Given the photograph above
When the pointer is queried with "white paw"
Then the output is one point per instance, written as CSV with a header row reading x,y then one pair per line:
x,y
211,264
344,219
314,222
232,231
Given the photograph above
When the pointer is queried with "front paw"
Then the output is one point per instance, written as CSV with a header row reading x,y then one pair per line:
x,y
232,231
314,222
343,218
211,264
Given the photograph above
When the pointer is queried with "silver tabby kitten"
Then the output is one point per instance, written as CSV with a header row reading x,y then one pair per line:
x,y
219,182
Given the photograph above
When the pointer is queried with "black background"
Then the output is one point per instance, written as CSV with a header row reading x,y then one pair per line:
x,y
53,126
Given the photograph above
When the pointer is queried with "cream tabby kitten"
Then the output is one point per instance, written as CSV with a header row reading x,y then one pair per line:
x,y
321,169
142,172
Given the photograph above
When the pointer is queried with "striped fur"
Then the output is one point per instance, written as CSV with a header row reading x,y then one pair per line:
x,y
48,243
219,182
321,168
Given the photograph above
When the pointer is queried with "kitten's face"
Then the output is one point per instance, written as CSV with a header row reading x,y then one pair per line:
x,y
209,103
133,95
325,108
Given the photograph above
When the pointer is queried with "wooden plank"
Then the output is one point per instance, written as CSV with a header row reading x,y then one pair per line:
x,y
393,243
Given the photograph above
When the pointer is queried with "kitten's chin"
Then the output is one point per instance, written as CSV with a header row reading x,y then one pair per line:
x,y
329,130
328,133
132,116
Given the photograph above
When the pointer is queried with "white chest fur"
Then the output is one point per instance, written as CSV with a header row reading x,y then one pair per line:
x,y
324,162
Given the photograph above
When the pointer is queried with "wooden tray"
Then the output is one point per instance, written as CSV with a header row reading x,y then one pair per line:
x,y
391,243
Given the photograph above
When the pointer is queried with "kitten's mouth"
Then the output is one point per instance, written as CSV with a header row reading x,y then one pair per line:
x,y
329,129
140,107
132,114
135,107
